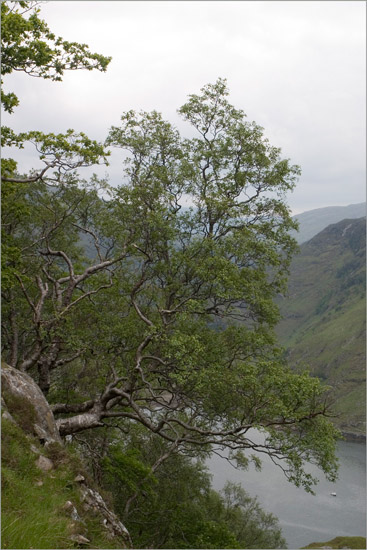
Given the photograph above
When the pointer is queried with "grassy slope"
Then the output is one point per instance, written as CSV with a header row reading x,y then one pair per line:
x,y
33,501
340,542
324,316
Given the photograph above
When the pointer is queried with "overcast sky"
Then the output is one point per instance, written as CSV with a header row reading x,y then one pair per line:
x,y
296,68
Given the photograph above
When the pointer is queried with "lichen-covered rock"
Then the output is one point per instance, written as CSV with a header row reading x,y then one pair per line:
x,y
27,405
71,509
79,478
79,539
44,463
6,414
93,502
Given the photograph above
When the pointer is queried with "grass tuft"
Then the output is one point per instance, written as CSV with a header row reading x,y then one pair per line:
x,y
33,514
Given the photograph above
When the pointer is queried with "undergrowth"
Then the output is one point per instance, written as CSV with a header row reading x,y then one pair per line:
x,y
33,501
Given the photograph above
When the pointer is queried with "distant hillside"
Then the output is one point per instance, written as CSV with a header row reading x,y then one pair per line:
x,y
323,322
314,221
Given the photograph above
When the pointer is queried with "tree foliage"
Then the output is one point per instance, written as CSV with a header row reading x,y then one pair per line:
x,y
28,45
132,310
166,501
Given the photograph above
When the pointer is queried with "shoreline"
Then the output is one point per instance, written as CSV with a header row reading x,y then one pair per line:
x,y
354,437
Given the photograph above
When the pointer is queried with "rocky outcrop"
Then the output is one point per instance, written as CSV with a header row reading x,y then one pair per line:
x,y
24,404
27,405
44,463
94,503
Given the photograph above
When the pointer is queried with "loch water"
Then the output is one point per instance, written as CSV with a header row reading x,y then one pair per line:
x,y
305,518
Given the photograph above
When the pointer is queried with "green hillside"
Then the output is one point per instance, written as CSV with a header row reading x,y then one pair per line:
x,y
340,542
323,323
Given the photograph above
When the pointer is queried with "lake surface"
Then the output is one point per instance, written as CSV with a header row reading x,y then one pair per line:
x,y
305,518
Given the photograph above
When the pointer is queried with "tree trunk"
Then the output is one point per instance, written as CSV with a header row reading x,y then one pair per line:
x,y
15,336
45,366
80,422
44,376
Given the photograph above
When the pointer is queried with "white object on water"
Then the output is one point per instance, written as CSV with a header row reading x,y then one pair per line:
x,y
333,494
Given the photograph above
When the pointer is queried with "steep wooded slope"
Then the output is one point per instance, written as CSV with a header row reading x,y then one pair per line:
x,y
323,322
48,497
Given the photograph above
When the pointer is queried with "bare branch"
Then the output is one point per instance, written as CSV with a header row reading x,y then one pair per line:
x,y
33,307
72,408
67,360
29,179
141,315
33,358
62,255
89,293
96,240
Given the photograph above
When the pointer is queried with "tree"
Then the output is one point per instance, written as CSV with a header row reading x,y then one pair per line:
x,y
168,321
251,525
28,45
174,505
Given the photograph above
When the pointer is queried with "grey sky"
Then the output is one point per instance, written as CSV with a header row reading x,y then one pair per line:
x,y
296,68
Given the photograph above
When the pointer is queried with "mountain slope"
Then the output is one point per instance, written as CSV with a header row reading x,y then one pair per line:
x,y
323,323
314,221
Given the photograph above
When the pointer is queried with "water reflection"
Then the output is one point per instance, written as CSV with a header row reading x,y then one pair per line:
x,y
305,518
